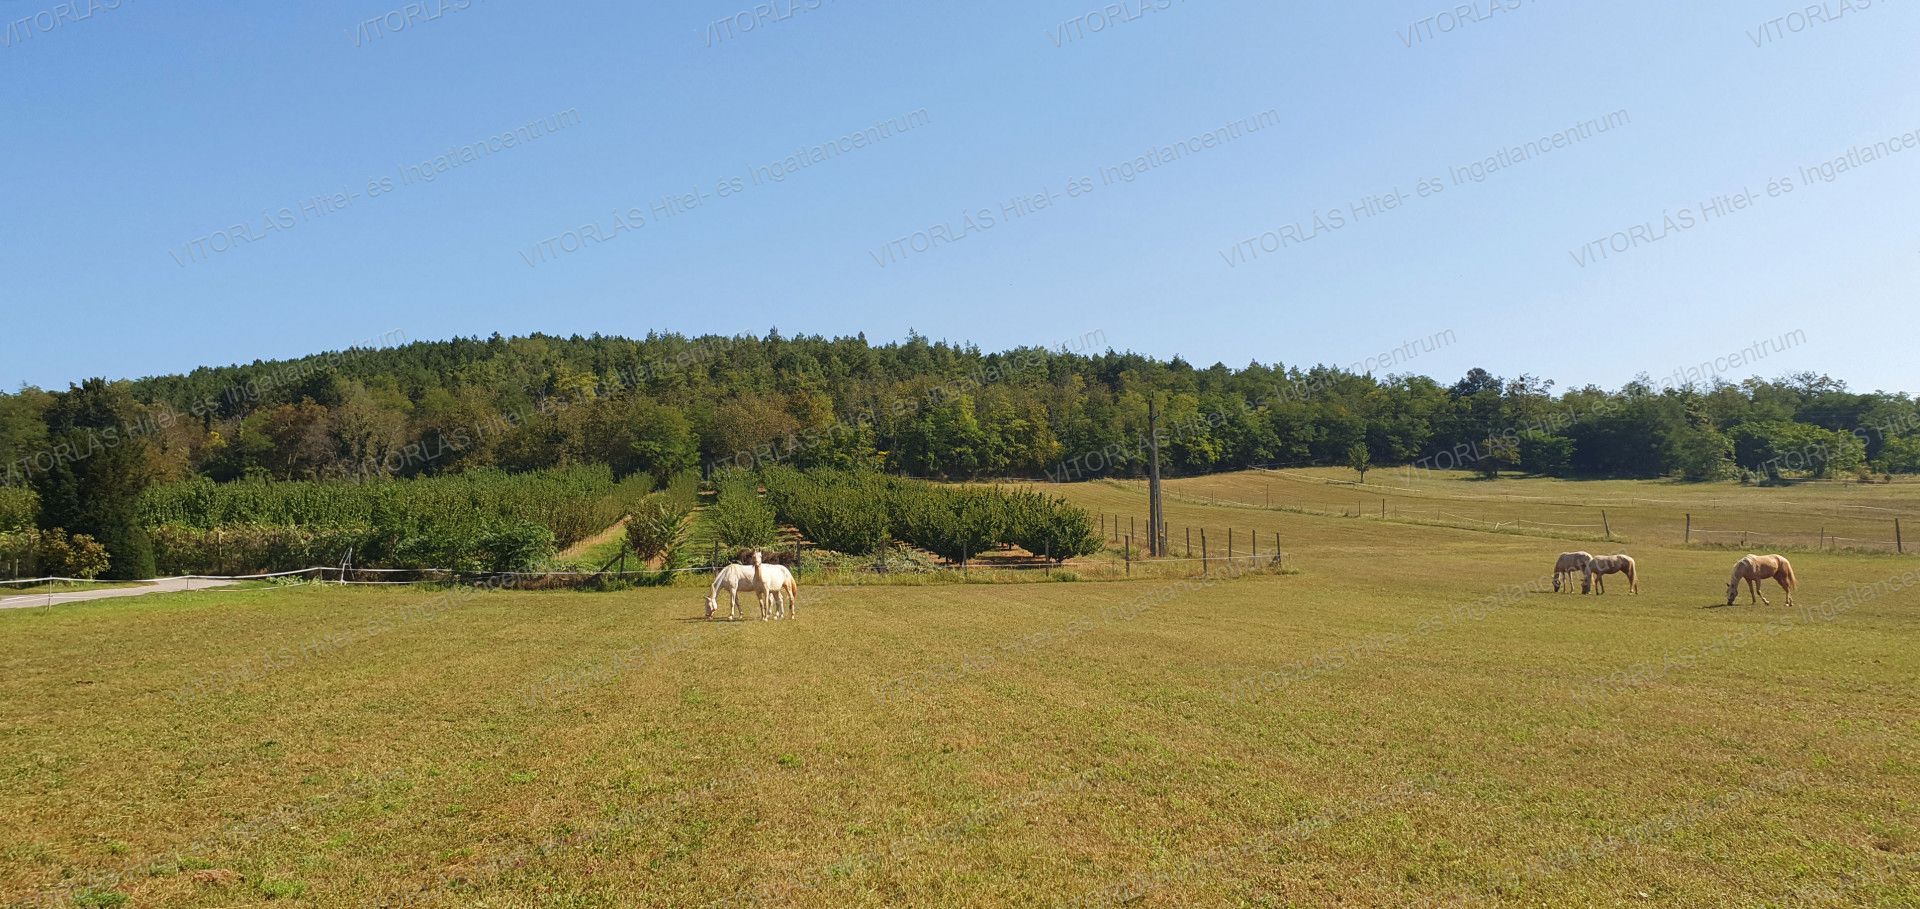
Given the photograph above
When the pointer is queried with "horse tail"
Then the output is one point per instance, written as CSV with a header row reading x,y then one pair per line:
x,y
793,591
1786,574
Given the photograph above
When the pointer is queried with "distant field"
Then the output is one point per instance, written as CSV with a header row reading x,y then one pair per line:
x,y
1844,514
1399,724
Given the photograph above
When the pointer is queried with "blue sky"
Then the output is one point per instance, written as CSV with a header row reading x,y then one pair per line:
x,y
136,129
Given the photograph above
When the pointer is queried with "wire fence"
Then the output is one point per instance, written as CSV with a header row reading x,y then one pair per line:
x,y
1852,528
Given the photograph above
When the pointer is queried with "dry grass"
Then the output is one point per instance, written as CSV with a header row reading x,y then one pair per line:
x,y
1796,517
1385,728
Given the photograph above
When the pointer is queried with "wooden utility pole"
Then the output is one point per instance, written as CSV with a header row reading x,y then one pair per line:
x,y
1156,512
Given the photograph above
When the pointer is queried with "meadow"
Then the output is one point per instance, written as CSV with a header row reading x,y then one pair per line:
x,y
1402,718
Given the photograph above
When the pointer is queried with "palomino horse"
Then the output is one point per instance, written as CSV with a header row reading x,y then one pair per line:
x,y
1600,566
1568,565
1756,568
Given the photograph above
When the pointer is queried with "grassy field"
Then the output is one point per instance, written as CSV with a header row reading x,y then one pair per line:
x,y
1402,722
1843,514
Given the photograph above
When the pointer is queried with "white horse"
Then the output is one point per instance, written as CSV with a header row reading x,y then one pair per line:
x,y
733,579
758,578
777,582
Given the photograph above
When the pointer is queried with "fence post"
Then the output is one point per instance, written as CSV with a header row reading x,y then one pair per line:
x,y
1823,539
1383,509
1606,524
1189,542
796,558
1689,537
1129,528
1203,552
1129,555
1229,547
1898,545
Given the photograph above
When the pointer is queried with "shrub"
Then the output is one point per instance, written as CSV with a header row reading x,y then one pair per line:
x,y
1047,526
740,518
657,529
37,553
841,511
513,546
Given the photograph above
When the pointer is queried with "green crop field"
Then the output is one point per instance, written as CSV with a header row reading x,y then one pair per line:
x,y
1400,719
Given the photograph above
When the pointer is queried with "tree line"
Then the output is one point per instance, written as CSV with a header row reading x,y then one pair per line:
x,y
664,404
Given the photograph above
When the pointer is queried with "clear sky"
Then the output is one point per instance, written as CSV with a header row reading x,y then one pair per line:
x,y
161,159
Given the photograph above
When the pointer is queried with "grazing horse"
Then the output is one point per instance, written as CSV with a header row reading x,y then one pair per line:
x,y
1756,568
1600,566
733,579
1568,565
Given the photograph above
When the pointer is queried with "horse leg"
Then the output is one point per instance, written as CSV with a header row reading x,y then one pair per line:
x,y
1788,588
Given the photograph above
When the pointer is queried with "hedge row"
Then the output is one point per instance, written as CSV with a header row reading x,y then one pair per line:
x,y
246,548
484,520
860,512
572,502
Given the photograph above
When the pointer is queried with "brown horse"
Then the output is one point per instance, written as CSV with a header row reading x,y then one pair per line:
x,y
1600,566
1756,568
1568,565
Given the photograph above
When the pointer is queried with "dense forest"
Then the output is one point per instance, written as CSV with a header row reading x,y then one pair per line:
x,y
80,459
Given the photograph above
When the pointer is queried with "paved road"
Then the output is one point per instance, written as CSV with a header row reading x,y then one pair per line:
x,y
168,585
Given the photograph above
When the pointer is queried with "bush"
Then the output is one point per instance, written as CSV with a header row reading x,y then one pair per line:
x,y
38,553
1046,526
513,546
861,513
740,518
954,524
844,512
657,529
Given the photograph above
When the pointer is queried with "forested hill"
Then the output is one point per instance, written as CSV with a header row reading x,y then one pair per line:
x,y
917,407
